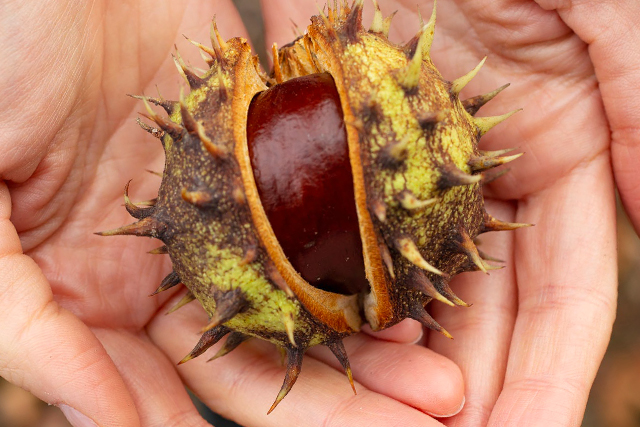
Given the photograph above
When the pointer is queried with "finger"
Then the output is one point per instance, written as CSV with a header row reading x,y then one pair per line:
x,y
158,392
408,331
612,32
482,332
243,385
567,296
410,374
47,350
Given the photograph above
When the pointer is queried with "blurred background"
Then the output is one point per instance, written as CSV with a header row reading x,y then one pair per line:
x,y
614,399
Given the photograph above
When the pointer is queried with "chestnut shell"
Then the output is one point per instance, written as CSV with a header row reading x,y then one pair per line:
x,y
414,166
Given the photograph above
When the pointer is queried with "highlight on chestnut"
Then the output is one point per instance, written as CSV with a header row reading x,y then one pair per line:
x,y
343,188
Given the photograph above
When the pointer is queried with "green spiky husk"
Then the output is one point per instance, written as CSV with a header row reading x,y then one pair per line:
x,y
413,147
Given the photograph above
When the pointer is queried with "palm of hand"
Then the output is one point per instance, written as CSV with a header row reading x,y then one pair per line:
x,y
106,281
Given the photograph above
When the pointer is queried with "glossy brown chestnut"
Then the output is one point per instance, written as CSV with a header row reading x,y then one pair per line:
x,y
298,149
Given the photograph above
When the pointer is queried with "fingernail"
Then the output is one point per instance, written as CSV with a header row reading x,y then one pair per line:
x,y
418,338
77,418
454,413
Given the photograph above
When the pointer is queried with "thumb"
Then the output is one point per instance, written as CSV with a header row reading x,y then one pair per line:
x,y
46,349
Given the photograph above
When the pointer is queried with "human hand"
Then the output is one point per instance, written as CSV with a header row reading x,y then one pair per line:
x,y
79,328
530,346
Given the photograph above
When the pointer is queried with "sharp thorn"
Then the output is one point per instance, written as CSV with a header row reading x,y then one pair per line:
x,y
186,299
207,340
488,257
485,124
452,176
148,227
154,173
409,76
168,106
232,342
459,83
409,250
469,248
483,163
492,224
150,202
188,120
135,211
419,313
338,350
410,202
377,25
173,129
202,48
228,305
158,133
196,128
294,364
162,250
495,153
472,105
419,281
428,31
386,24
223,45
172,279
180,66
443,287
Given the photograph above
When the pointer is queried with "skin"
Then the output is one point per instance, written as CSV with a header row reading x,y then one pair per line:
x,y
79,330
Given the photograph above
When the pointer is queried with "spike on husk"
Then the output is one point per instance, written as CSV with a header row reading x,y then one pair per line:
x,y
377,25
147,227
233,341
135,211
186,299
459,83
483,163
409,250
419,281
338,350
208,339
485,124
419,313
470,249
171,280
294,364
472,105
492,224
228,305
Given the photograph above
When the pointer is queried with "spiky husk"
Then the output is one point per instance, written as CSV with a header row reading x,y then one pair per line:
x,y
417,179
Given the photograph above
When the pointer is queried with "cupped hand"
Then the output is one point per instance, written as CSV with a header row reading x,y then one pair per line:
x,y
79,329
532,342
